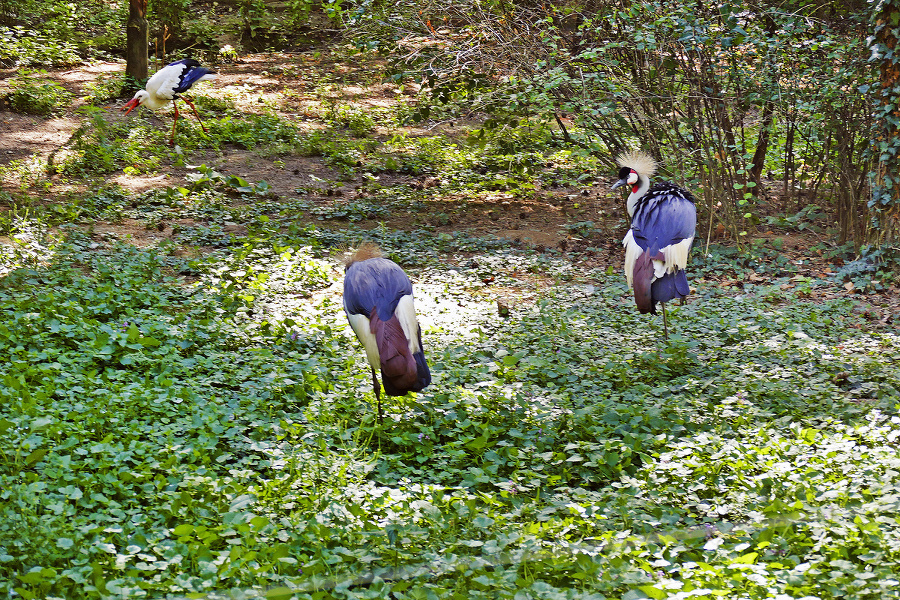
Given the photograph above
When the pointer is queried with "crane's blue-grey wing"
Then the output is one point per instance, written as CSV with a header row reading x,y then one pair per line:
x,y
664,220
375,283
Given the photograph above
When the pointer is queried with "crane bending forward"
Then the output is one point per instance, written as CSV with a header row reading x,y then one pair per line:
x,y
663,224
166,85
378,301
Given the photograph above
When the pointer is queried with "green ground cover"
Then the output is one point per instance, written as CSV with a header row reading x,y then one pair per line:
x,y
216,438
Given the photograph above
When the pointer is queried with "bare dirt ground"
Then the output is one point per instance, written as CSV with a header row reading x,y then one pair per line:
x,y
294,86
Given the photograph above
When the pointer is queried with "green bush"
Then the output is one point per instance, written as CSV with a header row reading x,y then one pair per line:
x,y
27,47
107,88
36,95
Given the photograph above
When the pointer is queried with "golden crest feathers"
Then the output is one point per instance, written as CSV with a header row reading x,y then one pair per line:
x,y
365,251
641,162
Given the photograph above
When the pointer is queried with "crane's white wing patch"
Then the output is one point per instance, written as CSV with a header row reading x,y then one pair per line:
x,y
406,314
360,326
676,257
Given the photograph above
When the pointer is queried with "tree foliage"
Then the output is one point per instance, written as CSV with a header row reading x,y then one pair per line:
x,y
58,33
723,92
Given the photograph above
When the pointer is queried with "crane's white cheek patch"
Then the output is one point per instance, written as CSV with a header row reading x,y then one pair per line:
x,y
360,326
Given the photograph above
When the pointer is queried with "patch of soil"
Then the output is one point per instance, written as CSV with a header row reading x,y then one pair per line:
x,y
291,84
24,136
283,177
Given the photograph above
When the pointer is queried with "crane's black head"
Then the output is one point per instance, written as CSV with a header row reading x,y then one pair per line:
x,y
634,167
627,176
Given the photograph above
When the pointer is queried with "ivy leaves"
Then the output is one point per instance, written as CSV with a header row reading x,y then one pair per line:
x,y
193,438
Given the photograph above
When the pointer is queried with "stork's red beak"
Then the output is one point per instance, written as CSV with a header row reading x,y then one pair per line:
x,y
131,105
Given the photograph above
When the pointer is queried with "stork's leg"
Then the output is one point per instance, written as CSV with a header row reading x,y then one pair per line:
x,y
377,388
174,123
196,114
665,322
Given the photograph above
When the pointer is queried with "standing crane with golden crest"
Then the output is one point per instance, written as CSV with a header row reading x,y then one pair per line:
x,y
663,225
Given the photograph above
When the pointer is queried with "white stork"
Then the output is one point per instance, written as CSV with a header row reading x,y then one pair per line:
x,y
378,301
663,223
166,85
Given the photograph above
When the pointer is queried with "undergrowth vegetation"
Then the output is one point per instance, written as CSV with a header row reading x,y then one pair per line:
x,y
163,436
188,414
34,94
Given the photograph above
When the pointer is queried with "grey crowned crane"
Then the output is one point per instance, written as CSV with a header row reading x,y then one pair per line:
x,y
663,224
166,85
378,300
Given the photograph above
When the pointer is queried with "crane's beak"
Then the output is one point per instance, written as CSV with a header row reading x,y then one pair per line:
x,y
617,184
131,105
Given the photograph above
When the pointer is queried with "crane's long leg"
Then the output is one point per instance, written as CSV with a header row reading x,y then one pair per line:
x,y
665,322
174,123
377,388
196,114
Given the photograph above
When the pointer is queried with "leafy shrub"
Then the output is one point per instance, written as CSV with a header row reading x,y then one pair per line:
x,y
29,48
355,119
106,88
99,146
34,94
253,131
349,210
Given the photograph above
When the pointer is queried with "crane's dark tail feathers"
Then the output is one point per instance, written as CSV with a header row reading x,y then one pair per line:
x,y
670,286
641,282
423,374
365,251
649,290
398,367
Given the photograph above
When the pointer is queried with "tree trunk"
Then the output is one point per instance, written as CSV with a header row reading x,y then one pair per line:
x,y
765,128
885,203
138,40
762,146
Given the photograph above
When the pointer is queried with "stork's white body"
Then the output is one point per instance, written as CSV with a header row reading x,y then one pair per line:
x,y
166,85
